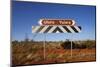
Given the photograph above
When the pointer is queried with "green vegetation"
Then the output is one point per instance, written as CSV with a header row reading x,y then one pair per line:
x,y
52,56
79,44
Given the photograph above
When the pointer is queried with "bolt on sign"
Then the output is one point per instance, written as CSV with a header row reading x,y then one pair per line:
x,y
56,29
57,22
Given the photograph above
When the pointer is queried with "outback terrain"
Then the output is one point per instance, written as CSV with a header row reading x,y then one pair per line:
x,y
32,52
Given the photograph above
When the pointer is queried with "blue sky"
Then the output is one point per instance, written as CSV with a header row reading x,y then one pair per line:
x,y
27,14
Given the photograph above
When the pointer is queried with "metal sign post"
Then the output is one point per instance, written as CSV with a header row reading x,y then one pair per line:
x,y
71,48
44,45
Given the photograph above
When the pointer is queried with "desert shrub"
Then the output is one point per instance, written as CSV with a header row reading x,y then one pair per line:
x,y
67,45
89,44
81,45
52,56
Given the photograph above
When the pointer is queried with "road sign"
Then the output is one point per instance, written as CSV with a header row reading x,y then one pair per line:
x,y
57,22
56,29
